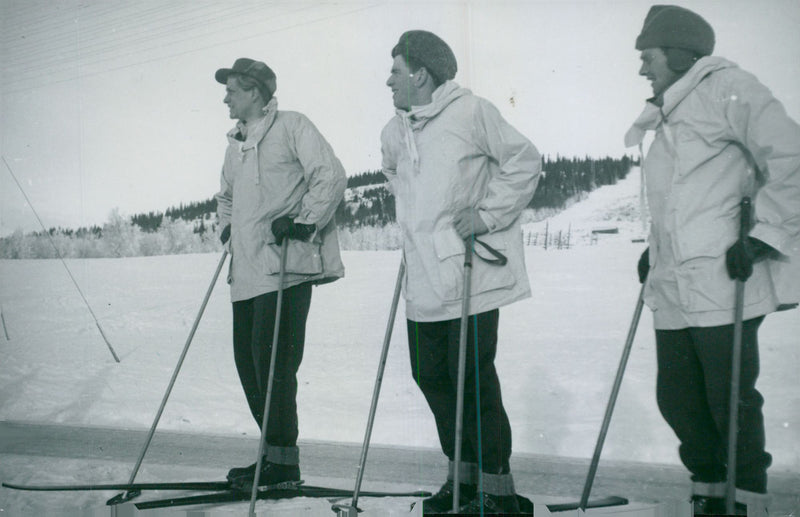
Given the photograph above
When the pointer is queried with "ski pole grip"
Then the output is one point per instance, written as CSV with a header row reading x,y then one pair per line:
x,y
744,226
468,252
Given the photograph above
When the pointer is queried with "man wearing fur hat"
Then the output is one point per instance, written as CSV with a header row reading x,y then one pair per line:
x,y
720,136
280,180
458,170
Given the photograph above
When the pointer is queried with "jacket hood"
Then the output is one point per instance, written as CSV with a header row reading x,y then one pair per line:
x,y
652,113
446,93
416,118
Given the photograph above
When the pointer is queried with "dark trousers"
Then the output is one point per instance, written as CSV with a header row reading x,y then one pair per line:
x,y
433,348
693,390
253,328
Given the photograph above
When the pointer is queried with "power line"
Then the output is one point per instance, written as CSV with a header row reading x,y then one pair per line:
x,y
176,54
85,33
89,62
86,47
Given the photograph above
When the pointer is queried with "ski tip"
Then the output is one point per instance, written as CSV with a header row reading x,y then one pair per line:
x,y
612,500
124,497
38,488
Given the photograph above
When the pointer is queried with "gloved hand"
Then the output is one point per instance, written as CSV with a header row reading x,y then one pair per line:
x,y
740,257
468,222
643,267
225,234
285,227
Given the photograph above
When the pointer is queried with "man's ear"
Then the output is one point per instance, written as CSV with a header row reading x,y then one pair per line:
x,y
421,76
255,95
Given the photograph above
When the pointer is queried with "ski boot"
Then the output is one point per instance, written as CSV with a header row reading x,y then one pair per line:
x,y
489,504
273,476
442,501
705,505
240,472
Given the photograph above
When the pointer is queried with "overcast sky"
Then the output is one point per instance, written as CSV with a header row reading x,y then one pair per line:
x,y
112,104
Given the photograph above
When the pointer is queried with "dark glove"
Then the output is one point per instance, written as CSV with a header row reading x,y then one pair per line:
x,y
285,227
743,254
643,267
226,234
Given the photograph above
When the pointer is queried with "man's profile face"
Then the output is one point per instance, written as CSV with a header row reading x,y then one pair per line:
x,y
401,82
654,68
240,102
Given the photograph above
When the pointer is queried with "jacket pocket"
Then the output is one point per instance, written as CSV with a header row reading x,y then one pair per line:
x,y
449,249
302,258
486,276
704,285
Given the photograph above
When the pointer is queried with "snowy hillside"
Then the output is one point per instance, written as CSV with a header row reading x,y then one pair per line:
x,y
606,209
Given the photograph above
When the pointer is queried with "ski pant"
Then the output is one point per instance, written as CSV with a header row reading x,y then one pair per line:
x,y
253,329
693,392
433,348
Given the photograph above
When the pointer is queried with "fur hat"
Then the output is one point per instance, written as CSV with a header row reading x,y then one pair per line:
x,y
675,27
430,51
251,68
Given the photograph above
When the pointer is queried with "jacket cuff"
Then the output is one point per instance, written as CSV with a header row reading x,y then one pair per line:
x,y
490,221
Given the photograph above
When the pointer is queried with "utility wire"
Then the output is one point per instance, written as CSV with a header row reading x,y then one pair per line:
x,y
98,35
13,89
110,33
130,45
58,253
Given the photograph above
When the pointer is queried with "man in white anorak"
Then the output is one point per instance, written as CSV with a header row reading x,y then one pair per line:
x,y
458,171
720,136
280,180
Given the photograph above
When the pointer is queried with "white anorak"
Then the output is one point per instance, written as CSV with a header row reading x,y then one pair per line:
x,y
284,167
720,135
452,154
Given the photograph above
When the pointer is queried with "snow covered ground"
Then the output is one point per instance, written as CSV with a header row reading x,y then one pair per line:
x,y
557,358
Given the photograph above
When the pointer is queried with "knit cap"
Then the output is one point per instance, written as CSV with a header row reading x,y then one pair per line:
x,y
430,51
676,27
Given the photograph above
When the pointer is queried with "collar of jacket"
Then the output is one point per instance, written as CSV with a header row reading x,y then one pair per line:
x,y
248,135
416,118
653,114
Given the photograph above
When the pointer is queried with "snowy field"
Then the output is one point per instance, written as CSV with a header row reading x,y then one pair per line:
x,y
557,358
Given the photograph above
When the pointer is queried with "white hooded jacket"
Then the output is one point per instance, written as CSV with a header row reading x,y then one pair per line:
x,y
284,167
458,152
719,136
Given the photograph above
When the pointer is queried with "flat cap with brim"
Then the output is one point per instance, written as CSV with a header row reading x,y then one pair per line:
x,y
250,68
430,51
676,27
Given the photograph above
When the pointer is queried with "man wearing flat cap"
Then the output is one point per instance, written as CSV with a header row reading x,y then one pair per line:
x,y
280,180
458,171
720,136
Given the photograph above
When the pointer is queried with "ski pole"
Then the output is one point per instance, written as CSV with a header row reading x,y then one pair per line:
x,y
736,360
462,358
270,378
587,487
351,510
3,320
63,262
127,496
